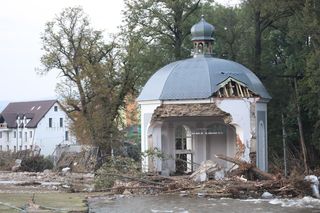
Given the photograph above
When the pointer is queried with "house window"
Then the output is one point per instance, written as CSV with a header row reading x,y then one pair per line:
x,y
61,122
8,136
8,148
14,148
25,147
0,147
31,147
25,136
67,135
50,122
20,147
20,134
55,108
0,134
30,133
14,134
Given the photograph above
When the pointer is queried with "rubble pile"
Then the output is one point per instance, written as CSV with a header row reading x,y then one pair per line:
x,y
234,187
122,176
210,181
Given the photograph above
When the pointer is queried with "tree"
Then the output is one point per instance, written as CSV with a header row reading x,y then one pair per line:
x,y
228,29
264,15
165,22
94,79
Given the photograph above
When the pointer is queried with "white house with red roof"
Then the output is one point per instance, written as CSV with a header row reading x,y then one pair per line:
x,y
34,125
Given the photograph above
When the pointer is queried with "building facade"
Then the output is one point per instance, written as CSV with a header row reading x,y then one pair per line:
x,y
194,109
34,125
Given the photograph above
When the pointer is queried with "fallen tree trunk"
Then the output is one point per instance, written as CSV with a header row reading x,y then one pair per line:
x,y
249,167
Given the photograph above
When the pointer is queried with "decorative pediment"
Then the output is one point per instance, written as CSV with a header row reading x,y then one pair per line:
x,y
231,88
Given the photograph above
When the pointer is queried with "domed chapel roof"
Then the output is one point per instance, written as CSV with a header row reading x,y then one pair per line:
x,y
202,76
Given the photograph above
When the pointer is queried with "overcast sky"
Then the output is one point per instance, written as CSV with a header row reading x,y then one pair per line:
x,y
21,25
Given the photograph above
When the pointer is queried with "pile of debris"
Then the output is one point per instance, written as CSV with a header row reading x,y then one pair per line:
x,y
122,176
209,181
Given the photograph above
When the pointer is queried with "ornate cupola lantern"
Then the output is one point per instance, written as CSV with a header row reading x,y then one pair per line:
x,y
194,109
202,37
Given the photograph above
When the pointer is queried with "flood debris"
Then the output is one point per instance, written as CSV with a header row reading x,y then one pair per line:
x,y
247,181
248,167
314,184
206,170
267,195
123,176
17,165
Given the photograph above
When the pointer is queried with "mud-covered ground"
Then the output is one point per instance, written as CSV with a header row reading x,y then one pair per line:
x,y
44,192
46,181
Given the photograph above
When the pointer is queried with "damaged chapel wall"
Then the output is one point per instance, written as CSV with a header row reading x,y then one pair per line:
x,y
240,112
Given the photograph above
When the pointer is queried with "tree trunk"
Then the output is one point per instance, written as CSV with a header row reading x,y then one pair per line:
x,y
248,166
302,143
257,47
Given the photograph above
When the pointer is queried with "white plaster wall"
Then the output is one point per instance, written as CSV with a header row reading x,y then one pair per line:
x,y
47,138
3,138
240,113
15,141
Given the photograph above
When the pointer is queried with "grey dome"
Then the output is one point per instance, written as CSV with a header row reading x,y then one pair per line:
x,y
198,78
202,31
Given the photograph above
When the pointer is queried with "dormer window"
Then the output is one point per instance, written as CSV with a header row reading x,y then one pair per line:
x,y
55,108
39,107
32,108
